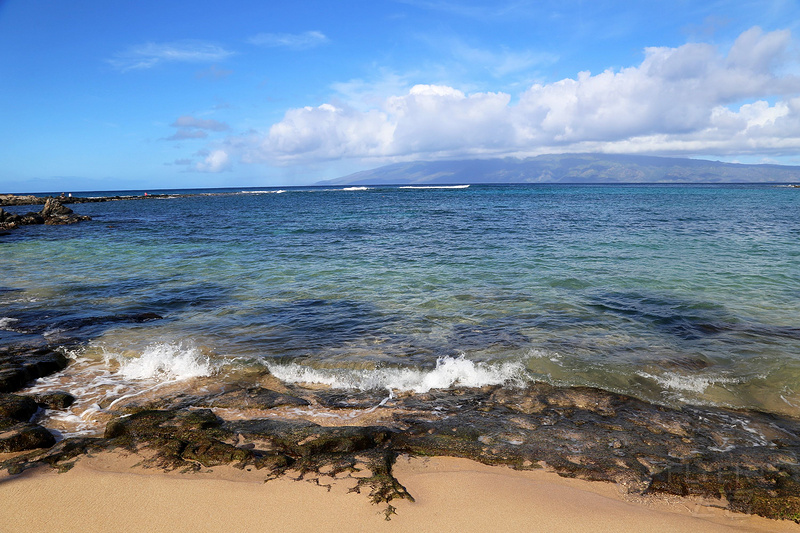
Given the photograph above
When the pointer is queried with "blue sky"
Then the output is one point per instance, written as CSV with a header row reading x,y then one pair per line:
x,y
98,95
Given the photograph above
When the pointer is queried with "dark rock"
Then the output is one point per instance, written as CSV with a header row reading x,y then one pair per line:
x,y
25,436
18,366
252,398
53,207
16,407
12,199
303,439
54,400
29,219
53,212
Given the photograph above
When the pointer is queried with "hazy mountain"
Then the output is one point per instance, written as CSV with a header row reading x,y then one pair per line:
x,y
570,168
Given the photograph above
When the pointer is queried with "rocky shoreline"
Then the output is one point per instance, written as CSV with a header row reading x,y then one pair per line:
x,y
53,213
30,199
748,460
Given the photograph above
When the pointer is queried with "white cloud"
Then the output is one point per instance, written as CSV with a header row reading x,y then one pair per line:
x,y
294,41
693,99
150,54
215,161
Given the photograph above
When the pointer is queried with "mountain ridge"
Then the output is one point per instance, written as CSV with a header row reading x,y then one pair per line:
x,y
571,168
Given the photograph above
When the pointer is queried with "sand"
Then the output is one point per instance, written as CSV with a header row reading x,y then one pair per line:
x,y
105,494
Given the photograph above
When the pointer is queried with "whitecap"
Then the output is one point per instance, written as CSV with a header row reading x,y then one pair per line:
x,y
434,187
696,384
449,372
163,362
5,323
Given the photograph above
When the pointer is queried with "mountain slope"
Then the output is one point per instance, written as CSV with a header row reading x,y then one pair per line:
x,y
570,168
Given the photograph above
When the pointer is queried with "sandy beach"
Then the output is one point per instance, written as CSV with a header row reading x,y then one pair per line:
x,y
105,493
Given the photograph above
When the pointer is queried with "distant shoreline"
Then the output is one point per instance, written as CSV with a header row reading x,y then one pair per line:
x,y
32,199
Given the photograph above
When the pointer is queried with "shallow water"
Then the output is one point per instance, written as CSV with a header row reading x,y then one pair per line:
x,y
673,294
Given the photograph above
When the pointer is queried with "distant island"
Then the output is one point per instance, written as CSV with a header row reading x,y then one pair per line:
x,y
571,168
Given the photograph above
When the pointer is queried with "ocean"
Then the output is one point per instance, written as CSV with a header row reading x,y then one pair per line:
x,y
677,295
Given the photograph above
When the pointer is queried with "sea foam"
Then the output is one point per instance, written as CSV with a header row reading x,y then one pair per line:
x,y
434,187
163,362
449,372
5,323
679,382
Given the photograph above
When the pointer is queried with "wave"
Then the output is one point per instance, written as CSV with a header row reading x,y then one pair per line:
x,y
434,187
5,323
162,362
264,192
356,189
449,372
679,382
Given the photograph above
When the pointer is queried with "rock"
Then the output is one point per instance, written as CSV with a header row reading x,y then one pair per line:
x,y
25,436
54,400
53,213
16,407
253,398
19,366
13,199
30,219
53,207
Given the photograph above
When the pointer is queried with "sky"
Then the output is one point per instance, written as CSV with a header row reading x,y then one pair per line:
x,y
113,95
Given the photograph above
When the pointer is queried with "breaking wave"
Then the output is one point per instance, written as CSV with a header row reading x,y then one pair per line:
x,y
449,372
434,187
163,362
695,384
6,322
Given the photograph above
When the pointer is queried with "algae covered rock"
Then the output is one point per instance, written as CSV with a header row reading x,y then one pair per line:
x,y
25,436
18,366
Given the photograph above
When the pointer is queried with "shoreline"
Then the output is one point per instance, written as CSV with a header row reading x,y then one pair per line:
x,y
107,492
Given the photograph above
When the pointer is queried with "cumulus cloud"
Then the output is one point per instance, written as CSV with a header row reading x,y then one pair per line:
x,y
294,41
150,54
214,161
693,99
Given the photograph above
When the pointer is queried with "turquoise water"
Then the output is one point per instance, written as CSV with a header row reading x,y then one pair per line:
x,y
674,294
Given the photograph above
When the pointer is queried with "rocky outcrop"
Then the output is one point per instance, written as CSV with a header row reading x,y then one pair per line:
x,y
750,461
17,433
18,366
53,213
28,199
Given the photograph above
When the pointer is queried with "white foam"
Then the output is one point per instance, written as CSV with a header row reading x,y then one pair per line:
x,y
357,189
264,192
434,187
163,362
5,323
449,372
696,384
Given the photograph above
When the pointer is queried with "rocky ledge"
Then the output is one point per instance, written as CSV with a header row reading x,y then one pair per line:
x,y
30,199
750,461
53,213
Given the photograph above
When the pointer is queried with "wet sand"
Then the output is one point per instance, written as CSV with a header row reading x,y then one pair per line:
x,y
106,493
